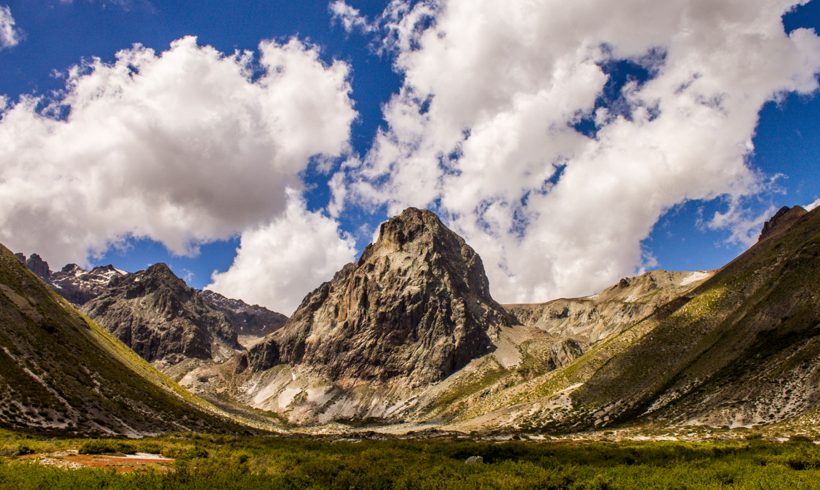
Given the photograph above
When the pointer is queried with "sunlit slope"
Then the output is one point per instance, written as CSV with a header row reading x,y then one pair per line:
x,y
60,372
740,349
745,350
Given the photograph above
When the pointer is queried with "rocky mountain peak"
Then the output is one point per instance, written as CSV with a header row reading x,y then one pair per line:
x,y
80,286
252,320
413,226
416,305
37,265
72,269
781,221
161,318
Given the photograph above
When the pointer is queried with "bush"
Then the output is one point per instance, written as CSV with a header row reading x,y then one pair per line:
x,y
23,450
185,453
803,462
102,446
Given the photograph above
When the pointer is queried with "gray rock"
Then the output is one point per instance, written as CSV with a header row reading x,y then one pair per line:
x,y
247,319
39,266
474,460
416,305
156,314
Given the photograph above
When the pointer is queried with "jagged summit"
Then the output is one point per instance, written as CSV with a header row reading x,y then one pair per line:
x,y
37,265
781,221
415,306
155,313
251,320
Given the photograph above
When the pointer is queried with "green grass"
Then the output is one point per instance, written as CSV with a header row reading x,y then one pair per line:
x,y
218,461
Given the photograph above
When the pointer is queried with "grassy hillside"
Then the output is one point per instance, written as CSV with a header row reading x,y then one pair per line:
x,y
744,350
741,349
62,373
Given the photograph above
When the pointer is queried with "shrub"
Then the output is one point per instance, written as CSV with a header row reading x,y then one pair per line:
x,y
23,450
102,446
803,462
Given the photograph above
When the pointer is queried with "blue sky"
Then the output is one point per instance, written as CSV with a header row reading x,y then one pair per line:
x,y
55,35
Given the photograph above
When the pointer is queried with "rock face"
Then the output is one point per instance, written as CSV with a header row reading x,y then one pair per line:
x,y
247,319
80,286
39,266
416,307
781,221
156,314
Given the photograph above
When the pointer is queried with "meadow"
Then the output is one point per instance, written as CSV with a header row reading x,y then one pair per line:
x,y
225,462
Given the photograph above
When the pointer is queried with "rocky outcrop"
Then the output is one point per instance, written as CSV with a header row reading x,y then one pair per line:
x,y
781,221
80,286
415,307
39,266
253,320
156,314
593,318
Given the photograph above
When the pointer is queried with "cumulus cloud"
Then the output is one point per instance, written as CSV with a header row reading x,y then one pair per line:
x,y
183,146
484,128
9,35
278,262
812,205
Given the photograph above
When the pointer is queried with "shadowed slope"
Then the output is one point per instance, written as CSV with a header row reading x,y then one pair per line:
x,y
62,373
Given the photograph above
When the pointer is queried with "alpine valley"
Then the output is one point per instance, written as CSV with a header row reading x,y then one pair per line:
x,y
409,338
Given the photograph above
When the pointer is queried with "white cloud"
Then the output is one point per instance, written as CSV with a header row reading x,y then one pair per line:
x,y
349,17
183,146
9,35
278,262
744,226
812,205
482,129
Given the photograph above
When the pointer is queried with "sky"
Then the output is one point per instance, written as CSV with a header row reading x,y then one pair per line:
x,y
256,146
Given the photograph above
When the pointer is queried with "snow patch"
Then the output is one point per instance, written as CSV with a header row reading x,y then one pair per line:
x,y
694,277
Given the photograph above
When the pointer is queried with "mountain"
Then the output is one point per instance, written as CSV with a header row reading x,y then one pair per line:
x,y
62,373
594,318
417,306
781,221
162,319
741,349
248,320
80,286
410,334
414,310
72,282
156,313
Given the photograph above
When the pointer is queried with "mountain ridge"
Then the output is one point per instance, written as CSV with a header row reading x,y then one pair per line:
x,y
61,373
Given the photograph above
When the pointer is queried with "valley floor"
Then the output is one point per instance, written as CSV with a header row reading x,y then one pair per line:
x,y
212,461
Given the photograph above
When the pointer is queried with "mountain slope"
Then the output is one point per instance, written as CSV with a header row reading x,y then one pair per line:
x,y
750,349
594,318
62,373
743,348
